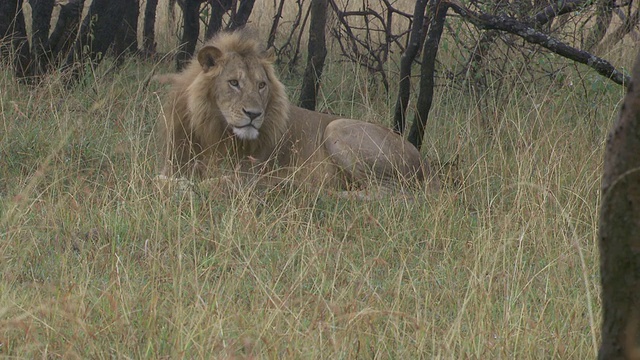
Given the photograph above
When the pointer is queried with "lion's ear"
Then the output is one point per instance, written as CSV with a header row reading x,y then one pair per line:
x,y
208,56
269,55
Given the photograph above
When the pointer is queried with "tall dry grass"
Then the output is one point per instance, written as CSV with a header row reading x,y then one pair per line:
x,y
502,263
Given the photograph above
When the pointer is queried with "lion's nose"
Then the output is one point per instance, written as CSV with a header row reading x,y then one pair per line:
x,y
252,114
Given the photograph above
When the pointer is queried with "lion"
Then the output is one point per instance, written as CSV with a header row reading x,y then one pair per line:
x,y
228,107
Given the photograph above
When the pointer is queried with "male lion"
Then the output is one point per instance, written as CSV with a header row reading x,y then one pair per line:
x,y
229,107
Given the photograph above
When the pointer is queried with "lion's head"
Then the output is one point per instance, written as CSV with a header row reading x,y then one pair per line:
x,y
228,98
231,88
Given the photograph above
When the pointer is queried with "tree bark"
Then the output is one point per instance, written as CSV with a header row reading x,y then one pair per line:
x,y
513,26
619,237
240,18
406,61
218,9
620,32
604,13
64,33
40,50
149,28
438,10
556,9
274,25
190,32
13,31
317,52
97,33
126,41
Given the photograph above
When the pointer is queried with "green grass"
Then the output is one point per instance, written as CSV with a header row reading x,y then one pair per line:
x,y
95,262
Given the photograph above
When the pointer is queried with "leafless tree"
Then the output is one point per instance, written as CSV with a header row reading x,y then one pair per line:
x,y
14,47
190,31
148,31
437,11
365,36
69,46
316,54
406,62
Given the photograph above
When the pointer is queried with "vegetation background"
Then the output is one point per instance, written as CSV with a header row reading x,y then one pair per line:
x,y
95,262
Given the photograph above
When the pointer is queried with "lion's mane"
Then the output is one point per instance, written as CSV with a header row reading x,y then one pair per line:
x,y
192,118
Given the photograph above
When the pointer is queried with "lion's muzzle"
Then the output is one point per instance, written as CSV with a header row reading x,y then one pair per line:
x,y
250,130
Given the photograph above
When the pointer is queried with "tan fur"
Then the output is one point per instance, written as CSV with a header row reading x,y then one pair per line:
x,y
206,128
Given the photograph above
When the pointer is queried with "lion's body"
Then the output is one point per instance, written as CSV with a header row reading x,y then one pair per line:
x,y
229,107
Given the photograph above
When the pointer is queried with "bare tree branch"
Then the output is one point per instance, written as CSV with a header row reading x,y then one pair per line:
x,y
556,9
274,25
604,13
513,26
620,32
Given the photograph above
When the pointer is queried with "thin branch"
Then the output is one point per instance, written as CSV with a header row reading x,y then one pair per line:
x,y
513,26
556,9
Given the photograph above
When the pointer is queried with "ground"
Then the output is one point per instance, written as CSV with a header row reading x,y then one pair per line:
x,y
501,263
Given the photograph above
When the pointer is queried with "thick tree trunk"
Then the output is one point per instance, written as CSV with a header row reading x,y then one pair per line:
x,y
64,34
40,50
13,31
97,33
438,11
218,9
149,28
126,41
190,32
406,61
619,236
241,17
317,53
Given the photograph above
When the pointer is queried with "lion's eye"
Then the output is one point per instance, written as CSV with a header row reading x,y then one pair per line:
x,y
262,85
233,83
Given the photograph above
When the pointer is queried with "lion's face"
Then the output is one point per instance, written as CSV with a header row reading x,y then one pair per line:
x,y
240,90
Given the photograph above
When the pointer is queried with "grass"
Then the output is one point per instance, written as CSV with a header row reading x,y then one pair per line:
x,y
96,263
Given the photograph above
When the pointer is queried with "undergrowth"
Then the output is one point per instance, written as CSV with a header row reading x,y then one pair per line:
x,y
95,262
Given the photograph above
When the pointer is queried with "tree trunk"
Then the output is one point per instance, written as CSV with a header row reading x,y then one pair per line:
x,y
40,50
126,41
149,28
218,9
406,61
190,32
619,237
317,52
619,33
427,70
13,30
604,13
97,33
240,18
64,33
